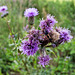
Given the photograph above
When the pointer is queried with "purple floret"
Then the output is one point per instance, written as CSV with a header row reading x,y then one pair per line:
x,y
44,60
31,12
29,48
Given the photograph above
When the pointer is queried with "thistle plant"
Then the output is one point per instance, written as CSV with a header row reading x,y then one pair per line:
x,y
47,36
39,39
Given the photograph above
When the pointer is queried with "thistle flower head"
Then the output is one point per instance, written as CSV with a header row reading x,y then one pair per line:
x,y
64,34
44,26
29,48
31,12
50,20
3,9
44,60
48,23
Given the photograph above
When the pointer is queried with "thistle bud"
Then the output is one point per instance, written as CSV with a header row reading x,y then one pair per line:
x,y
31,20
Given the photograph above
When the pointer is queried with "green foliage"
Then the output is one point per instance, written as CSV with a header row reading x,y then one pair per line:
x,y
13,62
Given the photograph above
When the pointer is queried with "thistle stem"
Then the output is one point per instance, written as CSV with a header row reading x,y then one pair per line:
x,y
10,31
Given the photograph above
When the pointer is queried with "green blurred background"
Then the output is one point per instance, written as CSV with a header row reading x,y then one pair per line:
x,y
13,63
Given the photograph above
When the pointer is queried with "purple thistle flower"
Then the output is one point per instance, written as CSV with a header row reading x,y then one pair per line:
x,y
31,12
64,34
48,23
29,48
43,25
50,20
3,9
44,60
